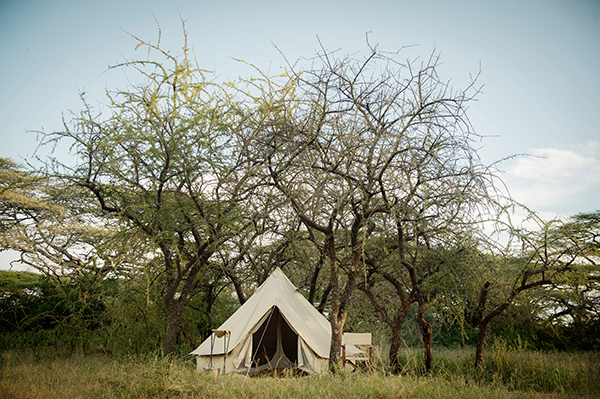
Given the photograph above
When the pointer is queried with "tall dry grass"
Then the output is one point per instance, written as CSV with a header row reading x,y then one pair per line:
x,y
23,375
516,368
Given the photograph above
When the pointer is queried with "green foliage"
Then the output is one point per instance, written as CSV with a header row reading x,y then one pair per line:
x,y
47,312
17,195
108,316
19,299
136,321
13,282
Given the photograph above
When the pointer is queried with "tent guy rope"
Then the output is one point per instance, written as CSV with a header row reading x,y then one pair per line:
x,y
258,347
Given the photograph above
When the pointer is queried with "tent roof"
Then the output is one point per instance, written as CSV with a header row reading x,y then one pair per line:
x,y
278,291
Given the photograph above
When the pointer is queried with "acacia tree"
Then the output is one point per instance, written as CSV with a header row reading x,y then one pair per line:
x,y
20,195
347,139
161,162
532,258
392,305
416,264
574,300
306,146
571,305
64,241
56,232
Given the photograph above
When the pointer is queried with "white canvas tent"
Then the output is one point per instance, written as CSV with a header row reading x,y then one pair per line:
x,y
276,328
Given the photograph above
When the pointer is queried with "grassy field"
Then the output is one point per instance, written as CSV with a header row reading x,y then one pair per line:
x,y
512,374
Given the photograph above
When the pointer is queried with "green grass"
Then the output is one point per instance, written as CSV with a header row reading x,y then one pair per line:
x,y
23,375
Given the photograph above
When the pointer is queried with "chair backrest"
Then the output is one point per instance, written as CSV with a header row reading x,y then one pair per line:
x,y
356,339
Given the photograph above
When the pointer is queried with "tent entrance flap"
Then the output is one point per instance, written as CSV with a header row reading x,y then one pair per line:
x,y
279,345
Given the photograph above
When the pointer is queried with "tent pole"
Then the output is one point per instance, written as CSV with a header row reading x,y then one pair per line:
x,y
226,340
212,344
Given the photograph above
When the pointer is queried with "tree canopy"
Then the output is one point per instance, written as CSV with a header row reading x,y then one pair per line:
x,y
353,173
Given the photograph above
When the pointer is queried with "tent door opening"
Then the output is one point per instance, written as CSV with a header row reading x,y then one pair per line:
x,y
279,345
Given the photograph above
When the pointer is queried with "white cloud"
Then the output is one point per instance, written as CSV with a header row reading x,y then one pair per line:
x,y
565,181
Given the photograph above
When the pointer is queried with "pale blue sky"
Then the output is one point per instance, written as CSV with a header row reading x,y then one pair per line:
x,y
540,64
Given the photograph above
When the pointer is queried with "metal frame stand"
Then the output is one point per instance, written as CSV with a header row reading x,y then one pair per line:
x,y
227,337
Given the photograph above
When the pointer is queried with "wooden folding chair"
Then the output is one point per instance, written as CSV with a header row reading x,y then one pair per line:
x,y
357,339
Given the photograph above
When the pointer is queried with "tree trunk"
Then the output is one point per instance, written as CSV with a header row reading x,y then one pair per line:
x,y
484,328
340,304
337,319
337,325
426,333
395,324
205,329
313,281
396,329
238,288
483,320
337,329
323,301
173,313
483,323
395,350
